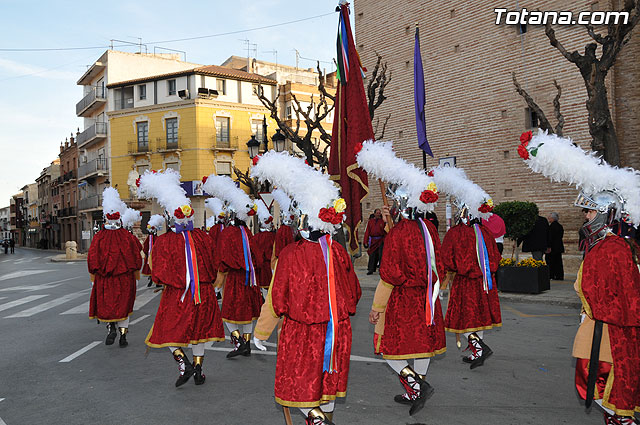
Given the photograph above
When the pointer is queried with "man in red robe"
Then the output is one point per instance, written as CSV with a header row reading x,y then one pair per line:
x,y
153,226
473,300
285,235
374,240
114,263
262,247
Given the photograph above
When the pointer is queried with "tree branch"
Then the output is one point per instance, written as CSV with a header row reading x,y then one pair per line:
x,y
544,122
380,78
556,108
245,179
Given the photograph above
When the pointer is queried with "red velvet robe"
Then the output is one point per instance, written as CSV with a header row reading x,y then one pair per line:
x,y
148,245
284,236
610,292
240,303
404,265
215,233
262,247
375,233
470,307
299,293
114,258
180,323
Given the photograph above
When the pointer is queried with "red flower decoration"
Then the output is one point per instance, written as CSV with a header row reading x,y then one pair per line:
x,y
428,197
523,152
114,216
357,148
484,208
256,159
251,212
138,182
525,137
430,173
204,179
178,213
269,220
292,216
329,215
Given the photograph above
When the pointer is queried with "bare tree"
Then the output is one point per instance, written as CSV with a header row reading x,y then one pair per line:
x,y
594,72
379,80
245,178
543,122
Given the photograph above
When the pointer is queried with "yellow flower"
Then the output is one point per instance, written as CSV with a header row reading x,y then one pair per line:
x,y
489,202
432,187
186,210
339,205
254,207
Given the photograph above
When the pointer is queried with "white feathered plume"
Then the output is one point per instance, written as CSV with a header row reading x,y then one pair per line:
x,y
111,202
216,206
224,188
263,213
311,189
156,222
211,221
454,181
560,160
164,187
282,199
379,160
130,217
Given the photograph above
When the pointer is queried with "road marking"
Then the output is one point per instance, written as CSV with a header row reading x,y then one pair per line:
x,y
23,273
2,422
21,301
144,298
138,320
1,399
46,306
525,315
81,309
42,287
79,352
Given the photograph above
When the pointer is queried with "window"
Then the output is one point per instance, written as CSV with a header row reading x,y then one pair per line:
x,y
531,118
141,169
256,128
221,86
171,85
452,13
172,133
288,113
143,136
223,168
522,28
456,48
142,91
255,89
222,131
173,166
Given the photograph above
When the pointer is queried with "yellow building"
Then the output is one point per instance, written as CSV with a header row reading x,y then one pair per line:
x,y
196,121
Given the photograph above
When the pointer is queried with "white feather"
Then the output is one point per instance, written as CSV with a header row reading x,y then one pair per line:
x,y
164,186
111,202
156,221
311,189
130,217
211,221
224,188
263,212
454,181
561,160
379,160
282,199
215,205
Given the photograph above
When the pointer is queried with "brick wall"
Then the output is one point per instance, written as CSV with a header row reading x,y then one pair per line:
x,y
472,109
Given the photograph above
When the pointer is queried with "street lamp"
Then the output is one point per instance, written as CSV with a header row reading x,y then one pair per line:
x,y
254,146
265,140
278,140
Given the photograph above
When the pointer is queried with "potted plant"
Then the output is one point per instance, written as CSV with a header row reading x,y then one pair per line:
x,y
527,275
513,275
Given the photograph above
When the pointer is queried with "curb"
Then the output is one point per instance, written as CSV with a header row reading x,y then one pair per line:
x,y
533,299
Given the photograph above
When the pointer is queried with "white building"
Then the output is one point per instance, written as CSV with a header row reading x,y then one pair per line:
x,y
5,223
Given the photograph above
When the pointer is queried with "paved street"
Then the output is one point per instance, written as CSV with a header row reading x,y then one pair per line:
x,y
56,369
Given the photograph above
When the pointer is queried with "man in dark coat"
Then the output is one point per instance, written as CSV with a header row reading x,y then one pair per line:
x,y
374,240
555,248
536,240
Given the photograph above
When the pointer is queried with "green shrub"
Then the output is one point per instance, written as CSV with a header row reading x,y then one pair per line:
x,y
519,217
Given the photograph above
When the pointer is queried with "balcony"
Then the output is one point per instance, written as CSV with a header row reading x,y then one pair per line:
x,y
90,103
90,202
168,145
93,168
139,147
96,132
69,176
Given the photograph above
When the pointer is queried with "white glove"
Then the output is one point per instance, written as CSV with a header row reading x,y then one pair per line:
x,y
259,344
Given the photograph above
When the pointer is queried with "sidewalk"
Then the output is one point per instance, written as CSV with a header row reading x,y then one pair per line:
x,y
561,292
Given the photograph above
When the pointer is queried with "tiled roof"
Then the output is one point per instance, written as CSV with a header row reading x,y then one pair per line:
x,y
211,70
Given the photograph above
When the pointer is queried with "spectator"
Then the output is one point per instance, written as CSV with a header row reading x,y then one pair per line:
x,y
5,243
374,240
12,244
555,248
535,241
496,226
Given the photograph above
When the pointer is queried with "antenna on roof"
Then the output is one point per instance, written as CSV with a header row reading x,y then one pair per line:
x,y
250,47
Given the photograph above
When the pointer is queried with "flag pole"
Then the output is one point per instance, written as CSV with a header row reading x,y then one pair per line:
x,y
385,201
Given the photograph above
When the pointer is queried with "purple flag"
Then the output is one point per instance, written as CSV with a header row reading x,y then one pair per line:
x,y
418,96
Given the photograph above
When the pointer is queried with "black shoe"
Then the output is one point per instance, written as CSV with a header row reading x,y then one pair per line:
x,y
123,341
486,353
426,391
111,336
198,376
400,398
241,346
149,283
185,368
369,273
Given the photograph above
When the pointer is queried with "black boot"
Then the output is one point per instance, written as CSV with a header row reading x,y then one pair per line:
x,y
149,283
317,417
123,337
111,336
198,376
247,338
184,367
241,346
418,390
479,351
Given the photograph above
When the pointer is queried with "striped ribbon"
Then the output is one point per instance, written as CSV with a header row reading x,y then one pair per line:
x,y
250,272
150,249
193,278
483,259
343,51
329,364
433,290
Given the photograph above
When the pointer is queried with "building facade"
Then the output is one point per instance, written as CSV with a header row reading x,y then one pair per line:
x,y
5,223
473,112
30,215
65,194
16,217
45,203
196,121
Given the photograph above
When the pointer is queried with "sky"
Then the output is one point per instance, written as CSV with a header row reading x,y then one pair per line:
x,y
38,90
